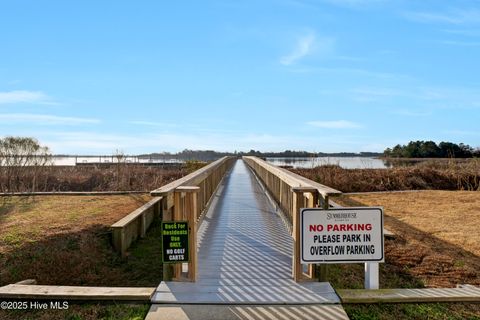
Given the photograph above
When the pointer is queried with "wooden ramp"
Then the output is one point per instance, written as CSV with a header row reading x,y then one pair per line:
x,y
244,258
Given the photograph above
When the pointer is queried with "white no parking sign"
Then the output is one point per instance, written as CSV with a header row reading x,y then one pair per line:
x,y
341,235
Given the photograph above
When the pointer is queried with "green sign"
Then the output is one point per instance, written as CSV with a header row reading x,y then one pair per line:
x,y
175,241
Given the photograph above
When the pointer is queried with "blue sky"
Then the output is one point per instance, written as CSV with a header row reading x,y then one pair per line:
x,y
318,75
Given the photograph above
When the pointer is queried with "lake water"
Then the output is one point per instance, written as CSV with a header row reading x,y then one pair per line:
x,y
344,162
70,161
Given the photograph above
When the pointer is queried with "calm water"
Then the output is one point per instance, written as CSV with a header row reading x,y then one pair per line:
x,y
70,161
344,162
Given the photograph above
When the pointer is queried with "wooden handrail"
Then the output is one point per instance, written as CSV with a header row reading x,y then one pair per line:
x,y
293,179
190,179
135,214
187,199
292,192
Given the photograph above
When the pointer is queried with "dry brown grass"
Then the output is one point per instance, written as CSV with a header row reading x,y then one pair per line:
x,y
90,178
436,233
62,239
31,218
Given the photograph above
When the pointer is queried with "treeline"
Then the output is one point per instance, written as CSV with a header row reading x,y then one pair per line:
x,y
429,149
208,155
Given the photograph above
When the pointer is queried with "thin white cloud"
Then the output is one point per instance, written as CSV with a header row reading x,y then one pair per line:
x,y
351,72
462,132
88,142
43,119
368,94
338,124
153,124
316,4
464,32
409,113
451,97
23,96
456,17
302,48
460,43
353,3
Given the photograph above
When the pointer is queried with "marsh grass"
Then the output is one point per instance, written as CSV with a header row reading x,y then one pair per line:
x,y
116,177
429,175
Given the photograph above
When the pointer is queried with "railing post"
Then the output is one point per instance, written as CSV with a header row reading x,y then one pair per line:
x,y
299,202
186,209
297,205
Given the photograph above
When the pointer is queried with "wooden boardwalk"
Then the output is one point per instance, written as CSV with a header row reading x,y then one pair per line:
x,y
244,254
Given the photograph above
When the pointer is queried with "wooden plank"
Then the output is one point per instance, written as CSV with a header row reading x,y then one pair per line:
x,y
321,188
187,189
277,281
465,294
135,214
70,193
191,178
294,179
18,291
27,282
315,287
237,312
285,176
243,297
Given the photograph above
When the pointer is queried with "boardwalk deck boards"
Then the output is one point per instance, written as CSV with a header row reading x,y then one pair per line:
x,y
250,312
244,254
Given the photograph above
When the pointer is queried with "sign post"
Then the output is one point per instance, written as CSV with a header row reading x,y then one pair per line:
x,y
344,235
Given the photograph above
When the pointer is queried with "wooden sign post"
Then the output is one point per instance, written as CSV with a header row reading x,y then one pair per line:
x,y
185,209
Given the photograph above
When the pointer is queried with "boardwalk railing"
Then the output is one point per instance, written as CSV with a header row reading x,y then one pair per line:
x,y
186,199
292,192
134,225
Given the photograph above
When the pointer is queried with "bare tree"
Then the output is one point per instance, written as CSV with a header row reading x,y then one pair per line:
x,y
19,157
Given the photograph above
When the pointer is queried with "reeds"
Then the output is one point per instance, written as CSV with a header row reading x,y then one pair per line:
x,y
431,175
118,177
